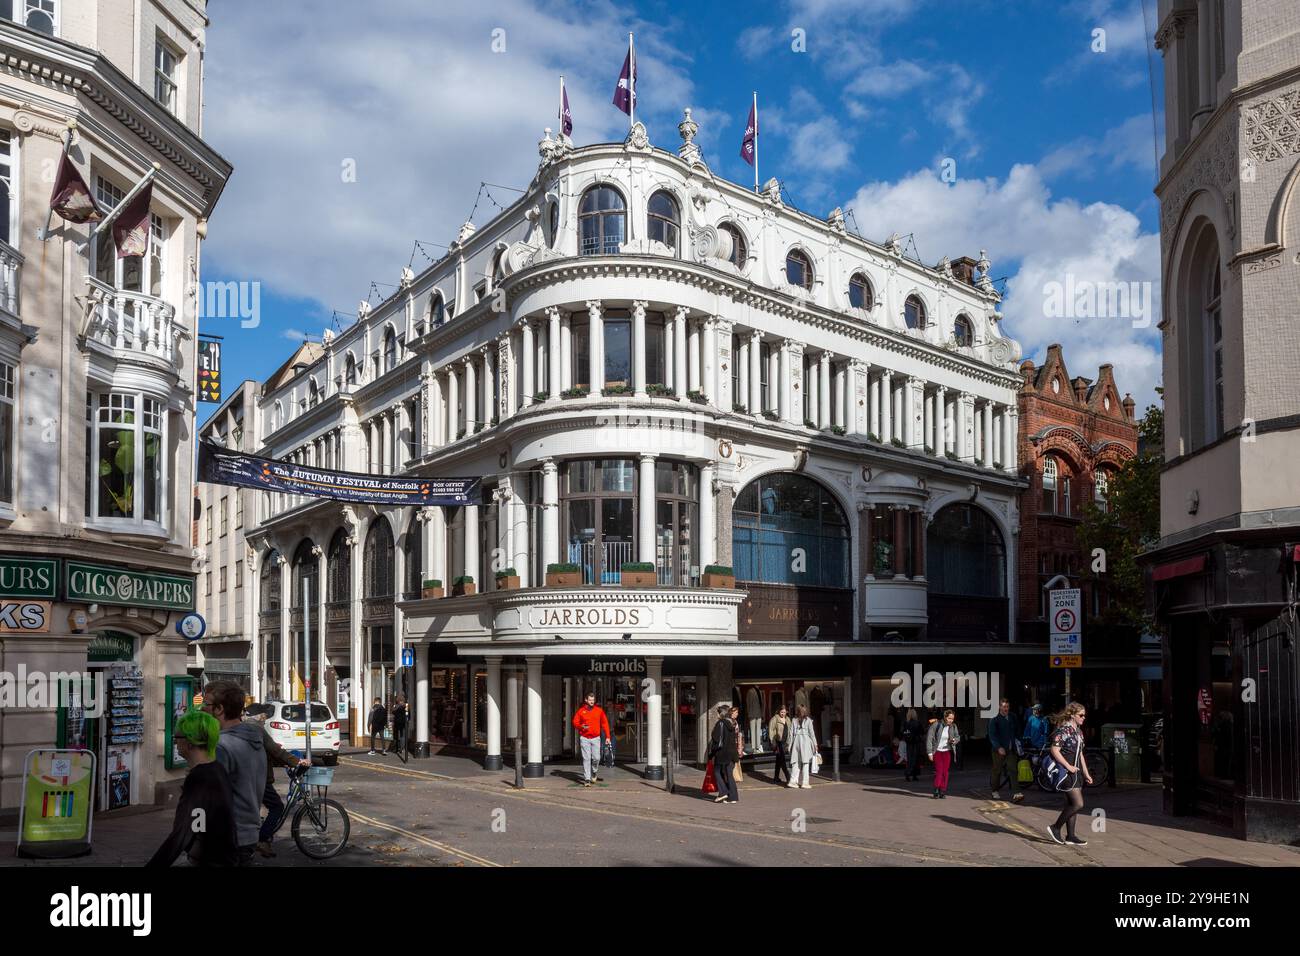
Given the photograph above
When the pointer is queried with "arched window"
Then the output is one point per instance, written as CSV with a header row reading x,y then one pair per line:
x,y
499,269
663,220
965,553
304,569
914,313
377,559
739,250
339,568
313,393
553,224
798,269
437,310
269,585
1101,489
1056,488
1214,347
861,295
962,331
602,221
788,529
350,371
390,350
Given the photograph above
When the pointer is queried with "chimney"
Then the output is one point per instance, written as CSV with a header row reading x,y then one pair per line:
x,y
1081,390
1130,407
964,268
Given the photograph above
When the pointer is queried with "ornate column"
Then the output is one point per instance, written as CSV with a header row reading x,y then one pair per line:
x,y
533,768
680,385
1011,440
422,699
554,376
386,442
489,385
693,356
639,349
886,406
492,761
542,363
943,430
505,377
782,382
927,423
708,519
742,374
988,434
774,385
669,349
709,360
652,694
824,390
566,351
453,404
550,513
528,386
358,705
965,426
595,339
645,543
519,556
909,407
755,394
471,551
859,411
842,416
471,395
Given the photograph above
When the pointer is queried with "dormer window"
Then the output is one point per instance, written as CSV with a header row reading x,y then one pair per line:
x,y
663,219
962,332
798,269
861,295
914,313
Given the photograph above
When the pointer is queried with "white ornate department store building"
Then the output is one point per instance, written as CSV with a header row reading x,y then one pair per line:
x,y
647,364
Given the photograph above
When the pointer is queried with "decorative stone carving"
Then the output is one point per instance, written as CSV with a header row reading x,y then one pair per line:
x,y
1216,167
836,220
467,229
894,244
1273,127
408,277
363,309
772,191
327,339
688,151
945,267
551,150
638,140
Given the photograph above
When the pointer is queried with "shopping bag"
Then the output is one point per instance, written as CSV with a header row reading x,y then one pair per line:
x,y
607,754
816,763
736,775
1025,772
710,785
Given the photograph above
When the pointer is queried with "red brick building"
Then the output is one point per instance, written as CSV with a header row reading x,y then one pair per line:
x,y
1074,434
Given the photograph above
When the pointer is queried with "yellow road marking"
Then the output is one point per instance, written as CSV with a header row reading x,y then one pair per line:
x,y
418,838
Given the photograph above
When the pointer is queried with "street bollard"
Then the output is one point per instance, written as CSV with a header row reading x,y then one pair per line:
x,y
672,759
835,758
519,763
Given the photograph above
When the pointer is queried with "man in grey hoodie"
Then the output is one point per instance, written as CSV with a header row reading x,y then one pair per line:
x,y
240,752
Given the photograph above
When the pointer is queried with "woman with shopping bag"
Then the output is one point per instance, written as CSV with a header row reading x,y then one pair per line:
x,y
803,749
723,756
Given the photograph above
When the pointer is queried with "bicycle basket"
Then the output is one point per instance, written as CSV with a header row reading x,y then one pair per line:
x,y
319,776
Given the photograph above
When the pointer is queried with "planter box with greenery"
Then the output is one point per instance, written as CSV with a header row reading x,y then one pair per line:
x,y
563,575
638,574
929,449
507,579
951,456
837,429
463,585
696,396
739,409
460,434
809,423
873,437
611,390
577,391
770,415
897,442
431,588
660,391
539,397
718,576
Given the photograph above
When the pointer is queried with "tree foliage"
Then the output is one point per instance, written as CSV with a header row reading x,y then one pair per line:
x,y
1129,526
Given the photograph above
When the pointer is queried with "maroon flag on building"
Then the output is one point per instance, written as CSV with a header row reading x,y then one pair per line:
x,y
566,118
71,198
131,228
625,91
751,135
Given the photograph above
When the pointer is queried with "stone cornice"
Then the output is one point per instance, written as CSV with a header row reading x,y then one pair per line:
x,y
63,67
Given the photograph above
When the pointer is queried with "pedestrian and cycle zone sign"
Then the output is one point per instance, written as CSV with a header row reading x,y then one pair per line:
x,y
1066,627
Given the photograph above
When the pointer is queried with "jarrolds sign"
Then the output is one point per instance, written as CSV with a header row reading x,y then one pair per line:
x,y
596,616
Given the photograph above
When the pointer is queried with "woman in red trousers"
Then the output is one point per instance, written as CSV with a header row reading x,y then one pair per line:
x,y
941,744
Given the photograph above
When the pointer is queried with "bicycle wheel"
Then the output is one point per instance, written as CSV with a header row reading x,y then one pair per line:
x,y
321,828
1099,767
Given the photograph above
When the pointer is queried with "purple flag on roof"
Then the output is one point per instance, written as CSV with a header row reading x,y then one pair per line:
x,y
566,118
751,136
625,92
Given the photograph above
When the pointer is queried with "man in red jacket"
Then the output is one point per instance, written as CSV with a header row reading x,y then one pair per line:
x,y
590,722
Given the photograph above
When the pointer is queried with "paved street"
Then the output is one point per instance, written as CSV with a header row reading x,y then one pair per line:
x,y
446,811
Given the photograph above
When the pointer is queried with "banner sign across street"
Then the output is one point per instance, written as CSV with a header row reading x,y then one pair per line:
x,y
221,467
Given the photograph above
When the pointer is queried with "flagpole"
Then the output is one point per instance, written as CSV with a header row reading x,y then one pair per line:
x,y
631,84
135,191
756,141
44,234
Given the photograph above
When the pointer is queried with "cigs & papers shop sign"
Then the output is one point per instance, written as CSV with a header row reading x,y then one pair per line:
x,y
101,584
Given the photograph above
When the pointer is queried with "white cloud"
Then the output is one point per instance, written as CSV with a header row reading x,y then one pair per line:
x,y
888,79
423,108
1131,143
1036,240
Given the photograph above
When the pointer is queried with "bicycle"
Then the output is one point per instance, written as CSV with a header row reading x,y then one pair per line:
x,y
326,829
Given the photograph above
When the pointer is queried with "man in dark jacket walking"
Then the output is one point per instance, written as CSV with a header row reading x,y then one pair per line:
x,y
1003,734
398,745
378,721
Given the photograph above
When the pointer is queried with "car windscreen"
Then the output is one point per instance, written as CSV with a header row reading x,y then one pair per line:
x,y
259,710
297,713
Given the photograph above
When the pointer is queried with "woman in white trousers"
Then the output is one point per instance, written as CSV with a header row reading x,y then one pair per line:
x,y
803,747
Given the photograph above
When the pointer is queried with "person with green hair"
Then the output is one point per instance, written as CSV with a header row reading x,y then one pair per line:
x,y
204,825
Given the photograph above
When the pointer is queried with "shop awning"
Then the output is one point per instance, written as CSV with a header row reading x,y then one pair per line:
x,y
1178,569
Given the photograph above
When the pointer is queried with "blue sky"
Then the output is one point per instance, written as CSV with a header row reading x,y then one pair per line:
x,y
1051,144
